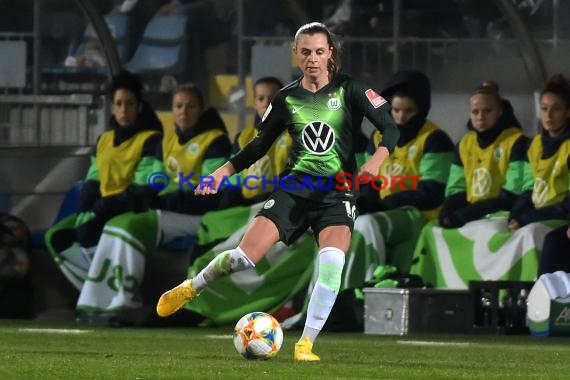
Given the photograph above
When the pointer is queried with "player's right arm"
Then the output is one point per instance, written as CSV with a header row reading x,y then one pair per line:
x,y
273,123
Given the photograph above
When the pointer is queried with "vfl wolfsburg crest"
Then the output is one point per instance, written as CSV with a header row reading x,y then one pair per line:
x,y
193,148
498,153
318,137
334,103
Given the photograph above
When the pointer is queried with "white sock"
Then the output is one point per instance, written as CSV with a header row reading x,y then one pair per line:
x,y
233,260
331,261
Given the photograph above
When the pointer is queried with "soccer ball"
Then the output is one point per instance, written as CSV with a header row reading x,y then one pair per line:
x,y
258,335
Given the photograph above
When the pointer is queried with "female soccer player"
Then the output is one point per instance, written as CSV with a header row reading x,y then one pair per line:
x,y
322,111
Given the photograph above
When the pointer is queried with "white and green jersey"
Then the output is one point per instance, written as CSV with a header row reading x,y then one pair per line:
x,y
323,126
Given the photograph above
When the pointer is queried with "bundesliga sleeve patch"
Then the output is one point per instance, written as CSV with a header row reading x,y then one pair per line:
x,y
374,98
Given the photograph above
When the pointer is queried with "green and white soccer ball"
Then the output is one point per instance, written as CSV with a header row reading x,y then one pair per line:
x,y
258,335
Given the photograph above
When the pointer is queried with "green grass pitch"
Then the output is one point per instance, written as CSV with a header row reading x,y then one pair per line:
x,y
34,350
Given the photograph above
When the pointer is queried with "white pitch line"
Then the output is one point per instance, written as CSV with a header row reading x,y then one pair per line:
x,y
219,336
428,343
54,331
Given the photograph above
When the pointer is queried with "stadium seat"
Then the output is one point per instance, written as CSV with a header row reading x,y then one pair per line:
x,y
221,86
181,243
70,203
58,76
231,120
163,47
118,25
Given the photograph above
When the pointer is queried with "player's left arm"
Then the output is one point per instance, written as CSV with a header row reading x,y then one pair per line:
x,y
377,110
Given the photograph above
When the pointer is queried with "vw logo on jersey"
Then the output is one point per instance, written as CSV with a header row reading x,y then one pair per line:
x,y
481,182
333,103
172,167
318,137
540,192
393,168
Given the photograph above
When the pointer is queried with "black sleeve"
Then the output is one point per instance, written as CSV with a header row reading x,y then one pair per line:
x,y
220,147
377,110
185,202
477,210
522,205
450,204
360,142
135,198
274,123
428,195
369,200
557,211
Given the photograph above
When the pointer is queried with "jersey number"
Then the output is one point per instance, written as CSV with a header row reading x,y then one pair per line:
x,y
350,209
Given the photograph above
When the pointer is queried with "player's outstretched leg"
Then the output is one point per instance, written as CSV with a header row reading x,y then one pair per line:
x,y
171,301
233,260
331,261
